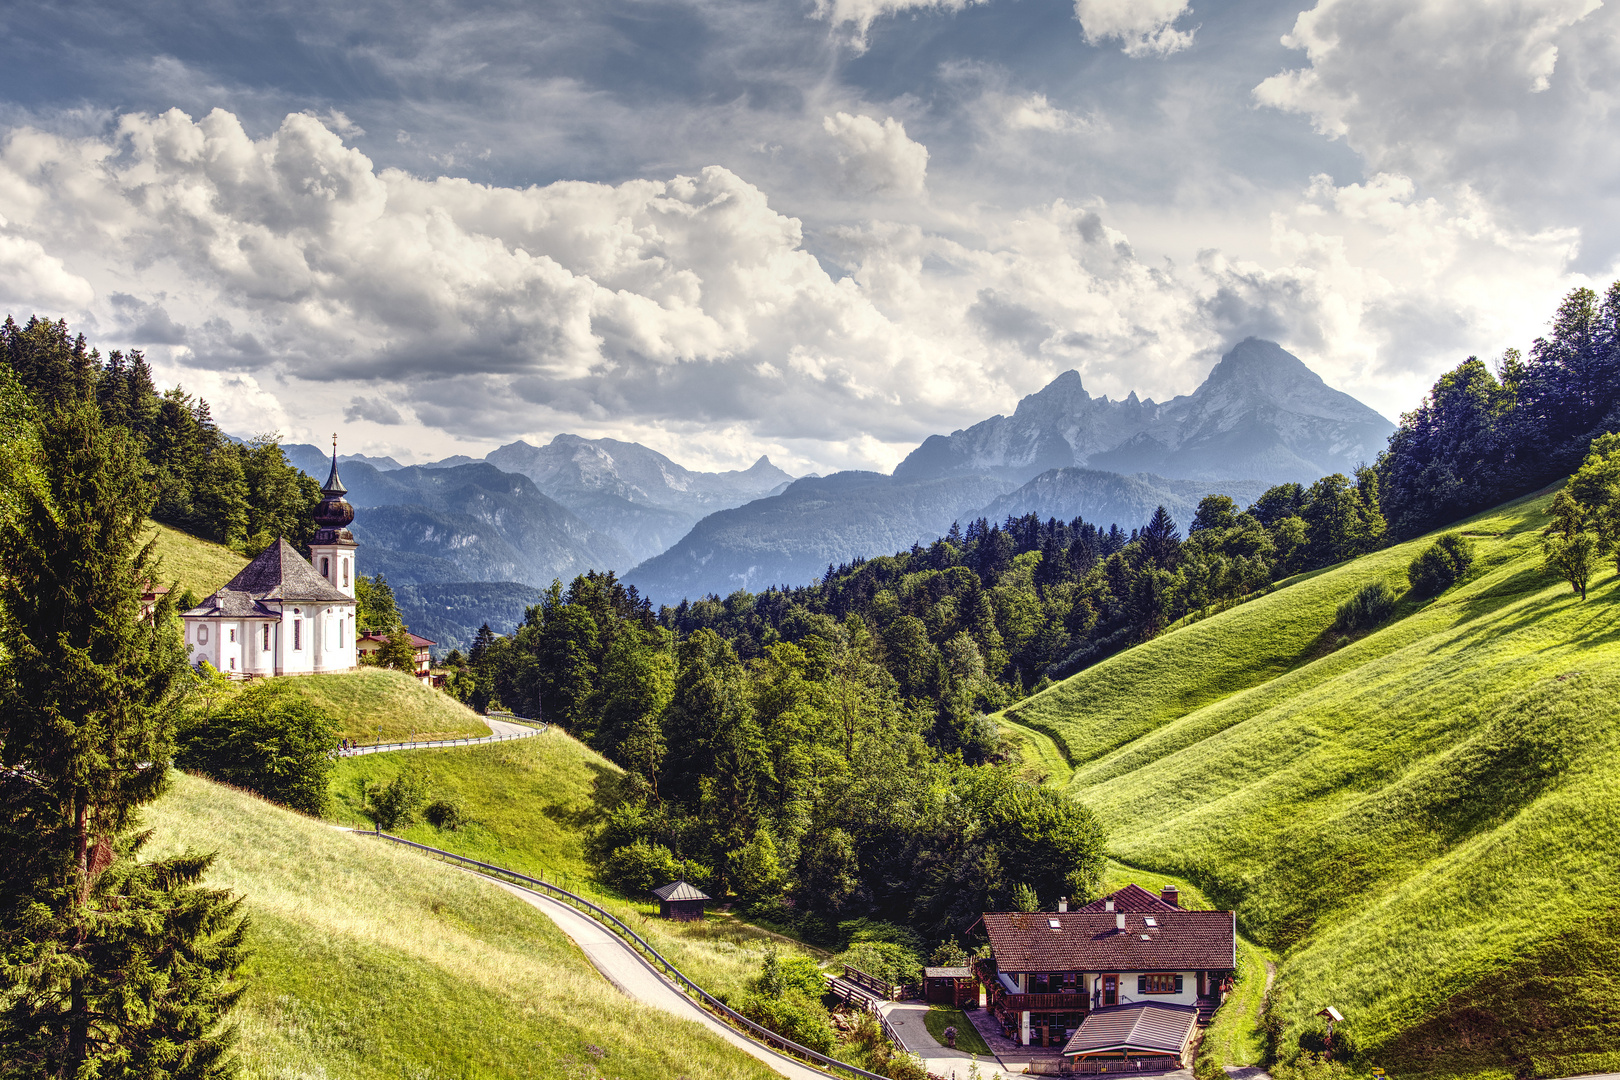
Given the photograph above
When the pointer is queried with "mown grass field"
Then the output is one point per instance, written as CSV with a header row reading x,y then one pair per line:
x,y
380,704
190,563
1424,823
532,802
373,961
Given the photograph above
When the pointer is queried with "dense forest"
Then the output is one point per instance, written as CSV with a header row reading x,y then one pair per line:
x,y
241,494
1481,436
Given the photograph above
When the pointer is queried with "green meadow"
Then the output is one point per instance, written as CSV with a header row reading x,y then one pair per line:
x,y
189,563
1422,823
371,961
532,801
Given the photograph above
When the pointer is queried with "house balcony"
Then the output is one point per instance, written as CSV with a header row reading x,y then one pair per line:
x,y
1060,1002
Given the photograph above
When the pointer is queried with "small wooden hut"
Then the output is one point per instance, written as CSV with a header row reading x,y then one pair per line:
x,y
950,986
680,902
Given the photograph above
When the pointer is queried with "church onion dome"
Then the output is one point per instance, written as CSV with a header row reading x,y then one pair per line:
x,y
333,513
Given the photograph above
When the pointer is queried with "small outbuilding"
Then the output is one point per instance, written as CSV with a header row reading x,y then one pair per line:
x,y
680,902
1144,1036
953,986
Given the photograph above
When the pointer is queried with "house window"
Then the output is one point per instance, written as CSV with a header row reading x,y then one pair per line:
x,y
266,637
298,634
202,634
1158,983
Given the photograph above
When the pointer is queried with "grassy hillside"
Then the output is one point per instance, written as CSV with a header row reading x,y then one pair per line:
x,y
194,564
372,961
532,802
374,703
1424,822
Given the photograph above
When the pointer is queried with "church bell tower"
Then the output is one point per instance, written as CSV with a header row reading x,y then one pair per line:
x,y
333,548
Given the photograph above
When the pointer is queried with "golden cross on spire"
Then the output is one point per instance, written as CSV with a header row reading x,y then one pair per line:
x,y
334,442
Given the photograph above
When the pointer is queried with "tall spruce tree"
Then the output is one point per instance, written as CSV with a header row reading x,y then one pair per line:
x,y
109,966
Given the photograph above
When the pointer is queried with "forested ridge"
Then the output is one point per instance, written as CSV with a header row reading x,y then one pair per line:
x,y
240,494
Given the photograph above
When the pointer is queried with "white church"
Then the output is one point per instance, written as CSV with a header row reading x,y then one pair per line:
x,y
283,615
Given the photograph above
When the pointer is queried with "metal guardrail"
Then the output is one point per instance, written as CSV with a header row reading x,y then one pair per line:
x,y
736,1019
379,748
514,718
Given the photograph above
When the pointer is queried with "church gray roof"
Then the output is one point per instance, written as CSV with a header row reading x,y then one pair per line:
x,y
279,573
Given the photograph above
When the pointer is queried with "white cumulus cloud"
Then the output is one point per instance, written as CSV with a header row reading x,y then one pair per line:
x,y
877,158
1141,27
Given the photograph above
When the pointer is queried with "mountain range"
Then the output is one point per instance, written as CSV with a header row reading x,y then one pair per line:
x,y
1261,417
1261,414
527,514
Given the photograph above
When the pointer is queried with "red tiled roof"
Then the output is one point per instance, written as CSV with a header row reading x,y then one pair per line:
x,y
1131,898
1147,1026
417,642
1091,941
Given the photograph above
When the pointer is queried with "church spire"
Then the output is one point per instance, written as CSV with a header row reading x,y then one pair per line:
x,y
333,485
333,513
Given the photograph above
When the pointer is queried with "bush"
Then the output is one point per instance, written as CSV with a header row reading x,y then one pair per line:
x,y
794,1015
884,960
268,739
1439,567
1372,604
642,866
449,814
397,802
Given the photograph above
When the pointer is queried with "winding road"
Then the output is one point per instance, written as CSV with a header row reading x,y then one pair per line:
x,y
634,977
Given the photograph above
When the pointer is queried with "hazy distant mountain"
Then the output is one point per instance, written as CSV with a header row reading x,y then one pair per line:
x,y
1261,414
317,462
634,494
1107,498
789,539
465,523
450,613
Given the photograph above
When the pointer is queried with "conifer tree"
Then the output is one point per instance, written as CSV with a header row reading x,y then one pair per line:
x,y
109,966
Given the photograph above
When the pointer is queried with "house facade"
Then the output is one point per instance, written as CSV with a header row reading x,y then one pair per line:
x,y
1054,970
281,615
422,653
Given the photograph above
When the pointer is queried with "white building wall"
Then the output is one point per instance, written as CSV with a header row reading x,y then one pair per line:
x,y
1128,992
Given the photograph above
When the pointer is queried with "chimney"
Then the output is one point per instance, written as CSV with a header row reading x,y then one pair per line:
x,y
1170,895
1063,904
1119,922
1108,905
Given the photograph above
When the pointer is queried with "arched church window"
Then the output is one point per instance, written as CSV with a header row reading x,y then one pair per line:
x,y
326,568
202,634
298,634
345,573
266,637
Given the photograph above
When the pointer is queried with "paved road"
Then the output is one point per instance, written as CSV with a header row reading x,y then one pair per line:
x,y
501,730
622,966
906,1018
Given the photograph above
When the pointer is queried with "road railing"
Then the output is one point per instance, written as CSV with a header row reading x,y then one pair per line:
x,y
420,744
745,1026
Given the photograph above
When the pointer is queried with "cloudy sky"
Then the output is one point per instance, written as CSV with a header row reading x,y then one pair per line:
x,y
817,229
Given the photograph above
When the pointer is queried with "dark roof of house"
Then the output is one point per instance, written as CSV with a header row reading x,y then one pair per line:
x,y
1091,941
948,973
1131,898
416,641
279,573
678,890
1142,1026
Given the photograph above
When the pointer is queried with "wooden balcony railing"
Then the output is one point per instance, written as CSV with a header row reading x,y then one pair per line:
x,y
1045,1002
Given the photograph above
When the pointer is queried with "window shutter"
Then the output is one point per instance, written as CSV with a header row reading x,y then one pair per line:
x,y
1141,984
1178,982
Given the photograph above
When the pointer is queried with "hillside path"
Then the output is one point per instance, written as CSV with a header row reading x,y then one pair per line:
x,y
501,731
634,977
